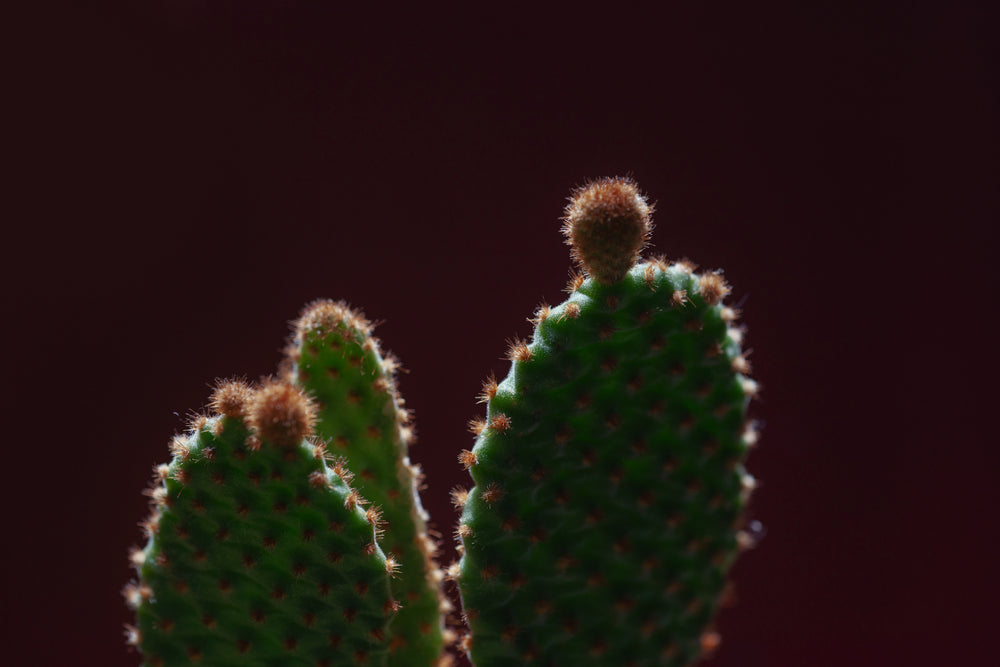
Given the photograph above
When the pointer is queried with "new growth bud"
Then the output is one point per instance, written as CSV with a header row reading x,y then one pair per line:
x,y
607,223
281,414
230,398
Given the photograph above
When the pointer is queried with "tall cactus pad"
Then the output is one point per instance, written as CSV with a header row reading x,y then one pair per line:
x,y
336,360
258,552
609,479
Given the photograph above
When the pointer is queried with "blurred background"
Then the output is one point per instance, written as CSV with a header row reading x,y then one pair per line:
x,y
190,173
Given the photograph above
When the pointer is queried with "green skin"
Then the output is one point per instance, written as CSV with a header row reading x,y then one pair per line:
x,y
254,564
604,518
359,421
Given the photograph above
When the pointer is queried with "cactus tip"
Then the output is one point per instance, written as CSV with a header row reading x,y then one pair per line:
x,y
607,223
281,413
325,315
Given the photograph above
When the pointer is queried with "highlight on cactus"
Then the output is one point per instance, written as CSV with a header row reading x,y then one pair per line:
x,y
609,483
335,358
259,551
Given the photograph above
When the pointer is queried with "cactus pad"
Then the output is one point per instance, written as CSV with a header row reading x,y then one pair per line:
x,y
259,553
609,480
336,360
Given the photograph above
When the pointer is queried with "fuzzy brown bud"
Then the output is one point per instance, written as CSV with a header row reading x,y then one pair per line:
x,y
281,414
607,223
230,398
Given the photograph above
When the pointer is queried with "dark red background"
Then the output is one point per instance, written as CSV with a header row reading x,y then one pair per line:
x,y
194,172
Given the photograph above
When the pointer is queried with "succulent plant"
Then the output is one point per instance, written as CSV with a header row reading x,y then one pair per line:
x,y
608,506
609,475
259,552
335,358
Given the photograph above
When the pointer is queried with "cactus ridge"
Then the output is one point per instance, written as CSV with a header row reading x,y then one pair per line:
x,y
334,357
259,553
609,478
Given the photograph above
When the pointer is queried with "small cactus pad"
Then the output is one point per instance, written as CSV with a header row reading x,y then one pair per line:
x,y
336,360
609,479
259,553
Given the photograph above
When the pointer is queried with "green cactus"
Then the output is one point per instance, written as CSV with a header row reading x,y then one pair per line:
x,y
259,553
609,480
336,360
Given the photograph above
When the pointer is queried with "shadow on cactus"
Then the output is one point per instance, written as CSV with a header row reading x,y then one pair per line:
x,y
609,483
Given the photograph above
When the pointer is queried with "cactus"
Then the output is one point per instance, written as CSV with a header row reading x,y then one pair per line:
x,y
259,553
336,360
609,471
